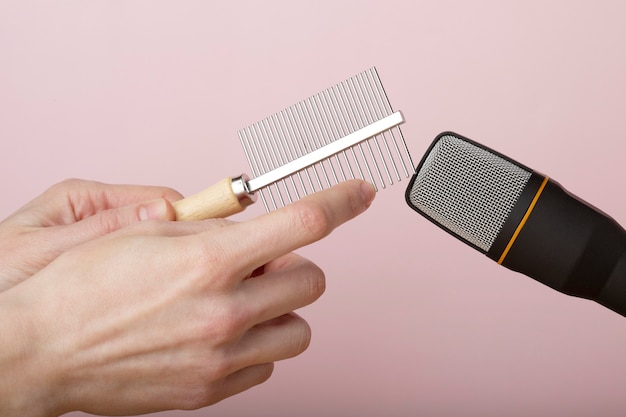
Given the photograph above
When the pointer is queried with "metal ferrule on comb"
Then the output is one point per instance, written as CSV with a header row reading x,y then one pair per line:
x,y
346,131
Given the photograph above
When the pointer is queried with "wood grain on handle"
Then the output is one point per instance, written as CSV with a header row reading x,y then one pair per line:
x,y
218,200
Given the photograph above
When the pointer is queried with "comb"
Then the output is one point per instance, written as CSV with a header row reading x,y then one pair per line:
x,y
347,131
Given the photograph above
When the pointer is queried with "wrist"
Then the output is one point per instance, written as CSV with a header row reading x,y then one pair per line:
x,y
27,381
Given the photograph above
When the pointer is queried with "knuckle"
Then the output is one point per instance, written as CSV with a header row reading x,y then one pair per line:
x,y
227,324
313,219
69,183
236,321
208,390
106,222
75,194
205,254
315,280
218,366
200,394
211,264
63,187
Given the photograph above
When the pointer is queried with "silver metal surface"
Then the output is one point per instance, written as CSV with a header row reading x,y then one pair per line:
x,y
467,189
326,151
344,132
239,186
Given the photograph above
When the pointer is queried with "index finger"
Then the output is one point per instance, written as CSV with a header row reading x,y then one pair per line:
x,y
303,222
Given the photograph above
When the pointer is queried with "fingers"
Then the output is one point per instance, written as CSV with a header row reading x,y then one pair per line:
x,y
301,223
253,357
48,226
73,200
281,338
87,198
237,382
246,378
108,221
91,209
287,283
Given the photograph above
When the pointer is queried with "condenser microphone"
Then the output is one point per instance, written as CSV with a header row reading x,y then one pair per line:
x,y
521,219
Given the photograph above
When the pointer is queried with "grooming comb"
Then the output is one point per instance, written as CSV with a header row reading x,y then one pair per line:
x,y
345,132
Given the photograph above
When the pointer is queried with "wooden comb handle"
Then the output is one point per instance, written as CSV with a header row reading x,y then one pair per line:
x,y
222,199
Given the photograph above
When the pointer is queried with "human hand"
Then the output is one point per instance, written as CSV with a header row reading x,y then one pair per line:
x,y
167,315
68,214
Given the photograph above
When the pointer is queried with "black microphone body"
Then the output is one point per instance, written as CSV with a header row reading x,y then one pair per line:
x,y
568,245
545,233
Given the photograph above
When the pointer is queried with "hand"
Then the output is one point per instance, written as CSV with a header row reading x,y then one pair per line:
x,y
69,214
166,315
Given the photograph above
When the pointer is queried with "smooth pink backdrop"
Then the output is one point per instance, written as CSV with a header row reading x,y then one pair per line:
x,y
413,322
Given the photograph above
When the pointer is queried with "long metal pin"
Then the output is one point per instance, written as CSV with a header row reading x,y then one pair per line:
x,y
353,124
251,162
382,104
285,157
294,136
406,152
324,137
363,113
298,133
289,132
311,135
354,111
267,132
328,116
332,114
305,130
342,124
272,162
266,164
315,137
308,138
370,118
301,133
381,92
284,131
383,99
280,154
362,123
269,147
376,105
352,127
256,166
275,161
286,150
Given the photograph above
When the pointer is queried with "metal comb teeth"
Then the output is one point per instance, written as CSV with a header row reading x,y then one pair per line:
x,y
344,132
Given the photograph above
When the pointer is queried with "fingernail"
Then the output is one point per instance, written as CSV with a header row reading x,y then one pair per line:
x,y
368,192
154,209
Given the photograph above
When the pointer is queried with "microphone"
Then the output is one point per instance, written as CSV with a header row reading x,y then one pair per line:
x,y
521,219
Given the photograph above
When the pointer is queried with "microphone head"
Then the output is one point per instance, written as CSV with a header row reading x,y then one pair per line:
x,y
467,189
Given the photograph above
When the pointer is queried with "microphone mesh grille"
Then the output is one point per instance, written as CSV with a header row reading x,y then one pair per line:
x,y
467,189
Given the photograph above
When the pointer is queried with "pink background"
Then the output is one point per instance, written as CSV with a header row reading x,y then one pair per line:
x,y
413,322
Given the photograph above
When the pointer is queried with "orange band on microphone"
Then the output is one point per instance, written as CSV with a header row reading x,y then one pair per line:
x,y
523,222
